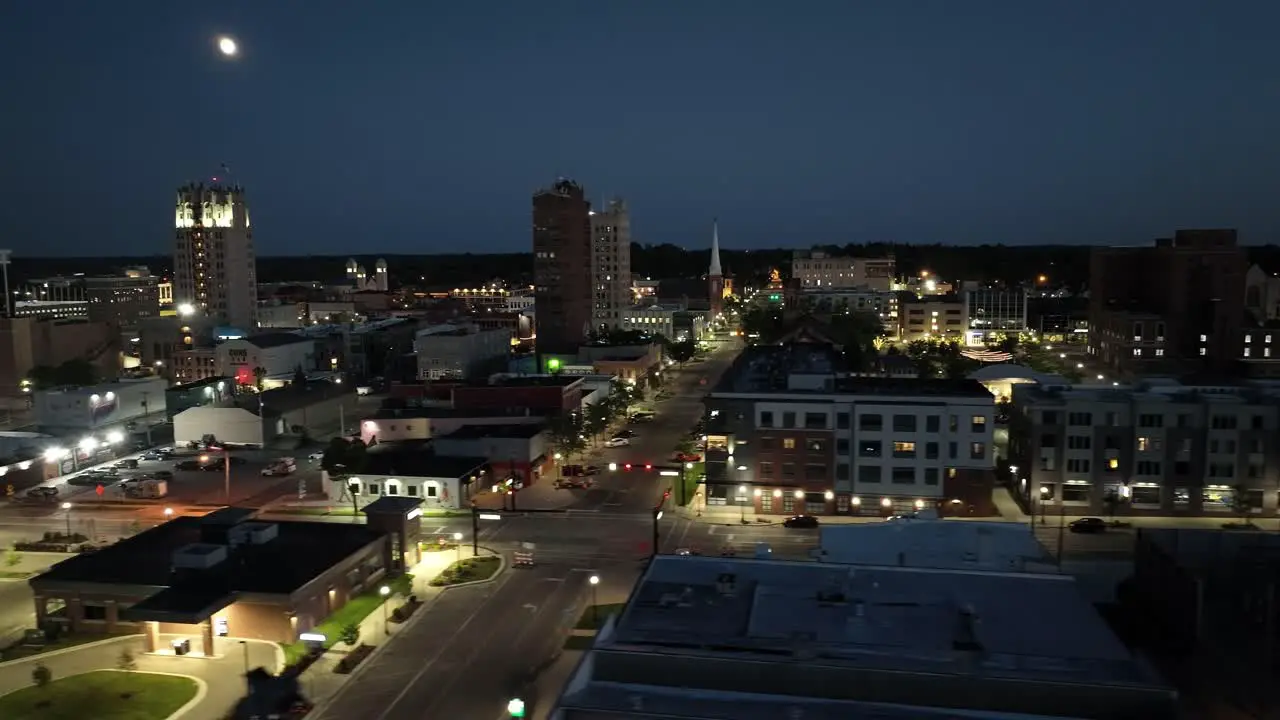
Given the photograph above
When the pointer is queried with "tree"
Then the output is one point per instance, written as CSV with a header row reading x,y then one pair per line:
x,y
126,661
596,418
683,351
40,675
764,322
566,434
350,634
259,377
1112,500
299,377
343,458
1241,502
76,371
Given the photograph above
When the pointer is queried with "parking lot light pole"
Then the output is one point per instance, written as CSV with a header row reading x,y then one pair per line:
x,y
226,470
457,541
67,507
595,600
385,592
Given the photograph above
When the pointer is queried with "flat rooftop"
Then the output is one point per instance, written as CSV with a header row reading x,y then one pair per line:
x,y
520,381
299,553
480,432
448,412
891,618
416,458
1150,391
771,370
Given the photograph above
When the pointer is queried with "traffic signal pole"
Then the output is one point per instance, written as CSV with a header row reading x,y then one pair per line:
x,y
475,529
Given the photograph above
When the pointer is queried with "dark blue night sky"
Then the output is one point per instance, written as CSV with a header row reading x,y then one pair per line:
x,y
414,127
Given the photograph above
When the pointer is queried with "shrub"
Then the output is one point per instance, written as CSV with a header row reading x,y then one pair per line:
x,y
126,661
350,633
40,675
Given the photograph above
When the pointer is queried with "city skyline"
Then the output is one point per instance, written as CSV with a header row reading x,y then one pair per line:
x,y
1076,125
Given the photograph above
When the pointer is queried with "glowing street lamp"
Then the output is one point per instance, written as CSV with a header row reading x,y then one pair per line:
x,y
66,507
457,540
115,437
385,592
595,600
186,309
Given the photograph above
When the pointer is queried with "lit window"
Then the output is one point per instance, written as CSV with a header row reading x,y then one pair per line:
x,y
1246,352
1204,338
1203,352
789,443
1159,352
1248,339
1137,352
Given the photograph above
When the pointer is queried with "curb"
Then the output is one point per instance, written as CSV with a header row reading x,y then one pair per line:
x,y
502,566
63,651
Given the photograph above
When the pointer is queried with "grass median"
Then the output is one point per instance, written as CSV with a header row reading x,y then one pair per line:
x,y
469,570
101,695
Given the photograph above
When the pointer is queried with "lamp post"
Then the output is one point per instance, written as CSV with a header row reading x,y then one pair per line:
x,y
248,685
226,472
595,600
457,541
168,514
1044,494
742,504
385,592
66,506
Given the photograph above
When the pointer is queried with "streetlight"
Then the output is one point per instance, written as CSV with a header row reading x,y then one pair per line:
x,y
1044,495
595,600
186,309
385,592
457,541
168,513
249,686
66,506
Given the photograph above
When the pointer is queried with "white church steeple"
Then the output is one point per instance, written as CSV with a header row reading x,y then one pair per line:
x,y
714,270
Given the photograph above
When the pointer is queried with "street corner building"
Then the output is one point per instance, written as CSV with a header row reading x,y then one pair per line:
x,y
788,432
195,584
413,470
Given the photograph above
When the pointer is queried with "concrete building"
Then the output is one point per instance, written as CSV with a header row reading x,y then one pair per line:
x,y
1174,307
123,301
991,312
562,267
1158,447
207,391
816,269
278,354
109,405
610,264
881,303
28,342
736,639
378,281
214,264
191,366
413,470
161,338
787,433
215,579
315,410
52,309
426,423
651,319
520,452
940,317
460,351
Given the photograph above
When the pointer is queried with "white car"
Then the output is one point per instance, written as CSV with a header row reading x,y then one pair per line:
x,y
316,456
617,442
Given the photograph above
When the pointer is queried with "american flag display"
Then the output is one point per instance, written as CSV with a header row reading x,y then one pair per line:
x,y
989,356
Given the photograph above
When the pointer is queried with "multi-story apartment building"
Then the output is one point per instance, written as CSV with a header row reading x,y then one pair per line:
x,y
123,301
213,258
991,311
1191,287
652,319
932,317
789,433
460,352
815,269
562,267
1156,447
882,304
610,264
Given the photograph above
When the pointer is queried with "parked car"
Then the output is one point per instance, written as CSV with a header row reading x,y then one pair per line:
x,y
43,493
687,457
128,463
641,417
616,442
152,456
1088,525
316,456
187,465
625,434
800,521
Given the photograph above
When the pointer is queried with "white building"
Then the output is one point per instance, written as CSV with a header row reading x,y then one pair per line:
x,y
816,269
459,351
363,281
213,259
652,319
412,470
109,405
425,423
611,264
278,354
291,316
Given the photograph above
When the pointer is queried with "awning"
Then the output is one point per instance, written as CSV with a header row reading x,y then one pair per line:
x,y
180,605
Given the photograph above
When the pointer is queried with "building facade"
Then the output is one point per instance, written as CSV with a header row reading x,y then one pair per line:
x,y
940,317
562,267
213,259
787,435
651,319
459,352
815,269
279,355
1157,448
610,264
992,312
123,301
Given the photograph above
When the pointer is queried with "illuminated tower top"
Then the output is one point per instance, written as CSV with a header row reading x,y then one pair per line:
x,y
714,271
211,206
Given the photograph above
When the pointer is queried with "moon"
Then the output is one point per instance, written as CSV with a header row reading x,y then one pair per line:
x,y
228,47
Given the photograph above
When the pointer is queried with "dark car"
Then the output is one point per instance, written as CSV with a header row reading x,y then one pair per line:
x,y
625,434
46,494
1088,525
187,465
800,521
161,475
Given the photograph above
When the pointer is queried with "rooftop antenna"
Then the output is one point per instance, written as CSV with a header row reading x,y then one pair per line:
x,y
4,265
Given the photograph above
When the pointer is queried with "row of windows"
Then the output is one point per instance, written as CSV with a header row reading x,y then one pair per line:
x,y
1153,444
896,474
901,449
1084,466
1153,420
870,422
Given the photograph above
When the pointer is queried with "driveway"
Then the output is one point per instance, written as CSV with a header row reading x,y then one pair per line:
x,y
224,675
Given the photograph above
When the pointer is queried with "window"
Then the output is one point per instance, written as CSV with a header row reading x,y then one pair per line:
x,y
1221,470
815,421
842,503
413,490
842,421
788,471
788,443
1150,420
1079,442
766,419
870,448
766,469
814,471
373,488
842,471
904,449
842,446
977,424
1147,467
871,423
931,476
93,611
788,504
977,451
1254,471
788,419
1148,444
904,423
766,443
1223,422
903,475
932,423
1048,440
1080,419
432,491
931,450
1048,417
869,473
766,503
1078,465
1258,422
953,423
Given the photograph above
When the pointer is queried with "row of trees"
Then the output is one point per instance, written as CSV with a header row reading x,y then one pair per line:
x,y
856,332
75,372
571,433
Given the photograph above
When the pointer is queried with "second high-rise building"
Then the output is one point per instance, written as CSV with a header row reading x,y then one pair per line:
x,y
564,301
213,258
610,264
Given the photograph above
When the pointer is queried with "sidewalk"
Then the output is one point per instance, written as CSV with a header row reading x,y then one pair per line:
x,y
319,683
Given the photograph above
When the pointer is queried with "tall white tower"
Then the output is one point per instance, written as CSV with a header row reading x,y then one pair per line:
x,y
213,260
380,280
610,264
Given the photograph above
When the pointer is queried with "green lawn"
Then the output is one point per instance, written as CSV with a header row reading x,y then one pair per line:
x,y
17,652
590,621
469,570
690,483
356,610
101,695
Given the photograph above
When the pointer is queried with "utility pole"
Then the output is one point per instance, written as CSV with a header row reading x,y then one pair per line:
x,y
1062,529
226,472
4,266
475,529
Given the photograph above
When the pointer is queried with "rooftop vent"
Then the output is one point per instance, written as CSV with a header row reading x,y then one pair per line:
x,y
198,556
726,583
252,533
966,634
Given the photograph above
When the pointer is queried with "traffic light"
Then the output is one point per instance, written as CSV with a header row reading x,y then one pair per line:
x,y
627,467
515,708
648,467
